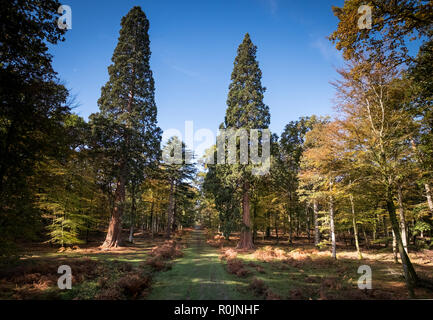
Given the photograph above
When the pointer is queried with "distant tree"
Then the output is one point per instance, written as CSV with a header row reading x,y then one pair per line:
x,y
179,176
224,197
287,165
323,158
154,194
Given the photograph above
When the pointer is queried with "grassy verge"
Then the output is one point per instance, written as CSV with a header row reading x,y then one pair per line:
x,y
198,275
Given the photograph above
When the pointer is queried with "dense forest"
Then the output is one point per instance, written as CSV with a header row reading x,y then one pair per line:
x,y
360,181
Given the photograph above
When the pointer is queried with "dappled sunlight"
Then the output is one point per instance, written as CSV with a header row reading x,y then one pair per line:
x,y
176,188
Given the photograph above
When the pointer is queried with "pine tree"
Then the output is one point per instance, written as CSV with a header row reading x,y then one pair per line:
x,y
246,110
126,127
178,177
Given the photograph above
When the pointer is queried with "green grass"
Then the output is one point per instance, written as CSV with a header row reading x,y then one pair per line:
x,y
198,275
201,275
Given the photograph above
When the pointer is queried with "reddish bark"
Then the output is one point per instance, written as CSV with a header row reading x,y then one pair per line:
x,y
246,238
113,238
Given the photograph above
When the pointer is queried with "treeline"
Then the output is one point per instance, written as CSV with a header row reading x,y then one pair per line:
x,y
363,177
63,178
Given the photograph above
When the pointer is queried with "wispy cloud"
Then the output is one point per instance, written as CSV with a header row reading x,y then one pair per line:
x,y
327,50
271,4
187,72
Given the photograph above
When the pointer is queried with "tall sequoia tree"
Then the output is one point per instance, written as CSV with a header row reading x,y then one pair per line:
x,y
126,126
246,110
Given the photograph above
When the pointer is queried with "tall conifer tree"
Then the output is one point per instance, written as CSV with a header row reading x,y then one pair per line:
x,y
246,110
126,127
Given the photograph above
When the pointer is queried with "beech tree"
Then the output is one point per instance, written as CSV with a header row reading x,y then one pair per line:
x,y
394,23
126,127
324,157
33,106
372,102
382,93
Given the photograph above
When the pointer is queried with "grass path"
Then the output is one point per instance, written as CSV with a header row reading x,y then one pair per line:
x,y
198,275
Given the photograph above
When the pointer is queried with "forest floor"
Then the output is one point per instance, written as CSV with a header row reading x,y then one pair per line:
x,y
300,271
199,265
198,275
121,273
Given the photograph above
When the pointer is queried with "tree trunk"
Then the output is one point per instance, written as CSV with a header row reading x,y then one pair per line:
x,y
131,227
316,223
290,226
429,197
308,221
394,247
255,224
403,227
151,219
332,226
284,225
131,233
246,238
355,228
170,212
367,243
408,269
174,223
268,224
385,230
113,238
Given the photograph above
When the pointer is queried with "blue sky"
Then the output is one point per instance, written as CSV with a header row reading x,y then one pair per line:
x,y
193,46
